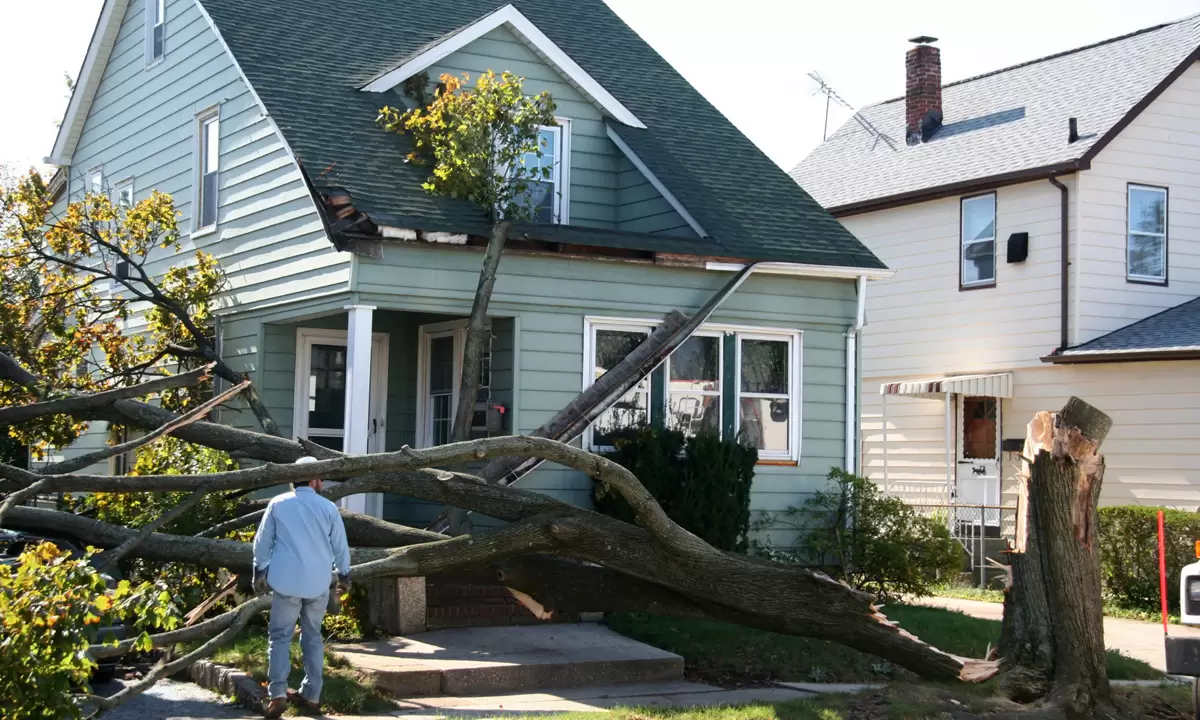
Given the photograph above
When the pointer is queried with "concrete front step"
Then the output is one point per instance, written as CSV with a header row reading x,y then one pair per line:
x,y
495,660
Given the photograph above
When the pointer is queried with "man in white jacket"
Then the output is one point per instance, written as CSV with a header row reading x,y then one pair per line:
x,y
300,540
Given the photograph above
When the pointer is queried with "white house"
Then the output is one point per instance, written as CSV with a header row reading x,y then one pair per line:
x,y
1043,221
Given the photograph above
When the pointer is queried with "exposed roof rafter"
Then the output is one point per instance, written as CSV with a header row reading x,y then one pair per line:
x,y
532,36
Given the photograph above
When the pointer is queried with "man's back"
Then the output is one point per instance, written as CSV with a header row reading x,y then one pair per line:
x,y
300,539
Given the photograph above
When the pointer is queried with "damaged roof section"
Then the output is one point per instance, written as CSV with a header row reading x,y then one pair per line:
x,y
311,81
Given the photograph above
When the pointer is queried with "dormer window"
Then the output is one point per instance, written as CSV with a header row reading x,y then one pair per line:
x,y
549,193
156,30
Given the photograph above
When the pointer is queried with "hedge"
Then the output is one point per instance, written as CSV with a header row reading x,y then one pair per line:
x,y
1129,554
703,482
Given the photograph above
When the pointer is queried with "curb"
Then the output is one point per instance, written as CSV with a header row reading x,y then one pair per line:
x,y
230,682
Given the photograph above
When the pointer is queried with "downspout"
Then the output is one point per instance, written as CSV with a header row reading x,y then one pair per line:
x,y
1064,341
860,317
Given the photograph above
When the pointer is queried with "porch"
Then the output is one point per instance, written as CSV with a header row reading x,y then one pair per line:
x,y
968,497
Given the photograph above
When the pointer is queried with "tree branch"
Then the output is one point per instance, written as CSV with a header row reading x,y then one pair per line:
x,y
78,463
114,556
83,403
11,370
19,497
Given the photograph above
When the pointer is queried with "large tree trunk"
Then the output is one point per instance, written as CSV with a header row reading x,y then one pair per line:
x,y
1052,640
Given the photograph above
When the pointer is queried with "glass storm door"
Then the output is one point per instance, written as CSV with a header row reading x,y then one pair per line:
x,y
321,388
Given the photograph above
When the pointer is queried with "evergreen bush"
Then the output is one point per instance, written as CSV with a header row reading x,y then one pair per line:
x,y
1129,554
702,482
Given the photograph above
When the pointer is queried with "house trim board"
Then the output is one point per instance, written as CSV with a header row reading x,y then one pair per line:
x,y
543,45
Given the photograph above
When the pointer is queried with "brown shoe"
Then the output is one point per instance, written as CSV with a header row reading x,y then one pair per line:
x,y
303,702
276,707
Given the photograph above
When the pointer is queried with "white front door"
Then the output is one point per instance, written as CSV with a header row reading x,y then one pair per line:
x,y
320,404
978,471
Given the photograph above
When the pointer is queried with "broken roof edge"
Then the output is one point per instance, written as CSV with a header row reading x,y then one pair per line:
x,y
547,48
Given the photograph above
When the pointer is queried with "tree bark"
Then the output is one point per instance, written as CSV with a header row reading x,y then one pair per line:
x,y
1052,638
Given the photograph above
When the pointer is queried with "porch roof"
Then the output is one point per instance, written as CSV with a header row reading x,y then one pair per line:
x,y
992,385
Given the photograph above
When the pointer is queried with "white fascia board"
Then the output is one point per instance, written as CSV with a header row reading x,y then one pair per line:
x,y
103,38
533,36
802,270
658,185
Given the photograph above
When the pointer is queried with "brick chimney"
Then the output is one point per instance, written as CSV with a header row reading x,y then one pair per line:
x,y
923,91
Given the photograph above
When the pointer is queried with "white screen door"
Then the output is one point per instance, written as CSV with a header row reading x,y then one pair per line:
x,y
320,409
978,476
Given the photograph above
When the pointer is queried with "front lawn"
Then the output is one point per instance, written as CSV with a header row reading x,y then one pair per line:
x,y
733,655
344,692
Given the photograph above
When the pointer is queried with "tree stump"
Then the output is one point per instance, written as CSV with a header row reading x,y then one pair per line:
x,y
1052,638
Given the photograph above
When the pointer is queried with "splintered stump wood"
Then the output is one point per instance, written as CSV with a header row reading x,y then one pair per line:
x,y
1052,641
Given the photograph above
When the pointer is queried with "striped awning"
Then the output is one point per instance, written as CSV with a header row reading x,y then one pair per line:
x,y
995,385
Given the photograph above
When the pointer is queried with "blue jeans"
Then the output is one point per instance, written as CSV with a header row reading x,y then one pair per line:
x,y
285,611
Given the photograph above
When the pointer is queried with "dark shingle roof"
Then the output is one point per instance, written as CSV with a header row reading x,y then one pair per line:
x,y
1174,330
1004,122
306,61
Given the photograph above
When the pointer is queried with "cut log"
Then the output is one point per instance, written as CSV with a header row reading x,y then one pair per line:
x,y
1052,637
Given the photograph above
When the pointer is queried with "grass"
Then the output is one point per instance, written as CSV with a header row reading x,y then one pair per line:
x,y
732,655
970,592
903,701
343,691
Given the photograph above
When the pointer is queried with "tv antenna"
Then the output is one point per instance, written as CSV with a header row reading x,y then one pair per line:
x,y
831,95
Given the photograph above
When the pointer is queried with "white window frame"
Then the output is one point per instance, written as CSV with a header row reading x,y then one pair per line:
x,y
963,243
1129,233
203,120
95,182
560,172
590,327
121,189
156,17
305,339
425,335
794,394
704,331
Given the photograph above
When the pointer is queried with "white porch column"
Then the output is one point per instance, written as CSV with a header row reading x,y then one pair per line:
x,y
358,400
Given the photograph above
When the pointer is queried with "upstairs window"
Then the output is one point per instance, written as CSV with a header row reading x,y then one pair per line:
x,y
208,150
978,241
125,194
1147,240
547,174
96,181
156,30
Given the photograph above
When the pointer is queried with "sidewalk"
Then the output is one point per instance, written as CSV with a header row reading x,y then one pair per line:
x,y
1139,640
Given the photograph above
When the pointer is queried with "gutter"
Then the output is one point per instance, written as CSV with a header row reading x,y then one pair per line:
x,y
803,270
852,385
1064,340
1184,353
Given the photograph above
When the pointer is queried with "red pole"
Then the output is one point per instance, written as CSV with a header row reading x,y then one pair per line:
x,y
1162,568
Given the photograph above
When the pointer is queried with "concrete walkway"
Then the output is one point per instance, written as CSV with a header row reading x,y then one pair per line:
x,y
1140,640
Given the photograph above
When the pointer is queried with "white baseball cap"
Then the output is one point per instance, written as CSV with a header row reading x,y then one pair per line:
x,y
305,460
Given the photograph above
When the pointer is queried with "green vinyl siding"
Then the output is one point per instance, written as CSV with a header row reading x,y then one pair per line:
x,y
641,208
141,126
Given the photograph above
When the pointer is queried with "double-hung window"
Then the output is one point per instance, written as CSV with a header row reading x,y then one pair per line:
x,y
125,194
96,181
546,176
208,151
735,381
978,241
156,30
1147,240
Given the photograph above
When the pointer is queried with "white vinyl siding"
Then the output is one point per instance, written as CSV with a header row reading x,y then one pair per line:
x,y
919,323
1160,148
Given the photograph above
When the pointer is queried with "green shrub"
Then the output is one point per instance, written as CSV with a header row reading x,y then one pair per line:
x,y
702,483
870,541
1129,554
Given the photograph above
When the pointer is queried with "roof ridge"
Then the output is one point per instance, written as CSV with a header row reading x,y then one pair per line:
x,y
1055,56
1135,322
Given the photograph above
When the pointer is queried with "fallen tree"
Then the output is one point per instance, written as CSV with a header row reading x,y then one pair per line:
x,y
565,557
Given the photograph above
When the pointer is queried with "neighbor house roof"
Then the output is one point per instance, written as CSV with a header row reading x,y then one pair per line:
x,y
309,67
1002,127
1172,333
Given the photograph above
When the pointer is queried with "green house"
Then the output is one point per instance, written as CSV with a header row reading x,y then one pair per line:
x,y
350,286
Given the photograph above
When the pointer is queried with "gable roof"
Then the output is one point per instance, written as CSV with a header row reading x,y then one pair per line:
x,y
309,71
531,35
1003,127
1172,333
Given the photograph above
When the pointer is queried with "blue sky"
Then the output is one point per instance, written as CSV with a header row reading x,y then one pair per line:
x,y
750,58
